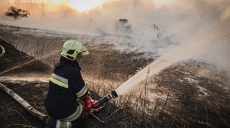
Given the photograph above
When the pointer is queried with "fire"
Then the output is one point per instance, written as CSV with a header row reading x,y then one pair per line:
x,y
81,5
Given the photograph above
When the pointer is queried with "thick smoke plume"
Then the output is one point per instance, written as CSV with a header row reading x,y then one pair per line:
x,y
148,26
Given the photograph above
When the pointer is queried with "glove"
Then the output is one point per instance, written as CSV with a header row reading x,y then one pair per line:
x,y
91,105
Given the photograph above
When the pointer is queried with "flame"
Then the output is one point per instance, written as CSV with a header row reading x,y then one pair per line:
x,y
80,5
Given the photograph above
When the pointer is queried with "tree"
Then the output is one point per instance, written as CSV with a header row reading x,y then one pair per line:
x,y
16,12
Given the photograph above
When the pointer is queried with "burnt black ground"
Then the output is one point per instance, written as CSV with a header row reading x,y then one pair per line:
x,y
14,58
12,115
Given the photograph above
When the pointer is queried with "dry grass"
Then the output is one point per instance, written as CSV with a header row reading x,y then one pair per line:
x,y
177,97
182,105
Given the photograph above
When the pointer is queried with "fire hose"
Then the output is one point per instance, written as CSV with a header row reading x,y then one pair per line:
x,y
23,103
2,51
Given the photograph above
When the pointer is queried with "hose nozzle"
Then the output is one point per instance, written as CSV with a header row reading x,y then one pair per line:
x,y
110,96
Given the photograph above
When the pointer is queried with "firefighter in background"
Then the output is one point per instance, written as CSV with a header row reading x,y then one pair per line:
x,y
67,88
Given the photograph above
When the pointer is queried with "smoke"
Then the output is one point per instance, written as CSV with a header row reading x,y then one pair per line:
x,y
152,26
219,56
194,47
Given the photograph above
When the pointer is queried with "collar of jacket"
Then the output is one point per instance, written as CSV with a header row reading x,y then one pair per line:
x,y
71,62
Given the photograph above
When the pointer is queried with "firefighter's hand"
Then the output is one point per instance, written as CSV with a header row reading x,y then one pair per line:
x,y
91,105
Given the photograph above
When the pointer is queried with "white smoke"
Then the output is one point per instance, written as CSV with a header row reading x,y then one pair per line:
x,y
153,27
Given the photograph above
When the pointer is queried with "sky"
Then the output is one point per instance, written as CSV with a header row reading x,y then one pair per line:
x,y
78,5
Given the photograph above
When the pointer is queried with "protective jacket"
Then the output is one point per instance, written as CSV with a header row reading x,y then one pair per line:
x,y
66,86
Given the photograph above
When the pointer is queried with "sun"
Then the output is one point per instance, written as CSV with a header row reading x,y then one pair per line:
x,y
85,5
79,5
163,2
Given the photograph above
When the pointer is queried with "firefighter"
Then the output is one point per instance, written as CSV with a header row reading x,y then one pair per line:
x,y
67,88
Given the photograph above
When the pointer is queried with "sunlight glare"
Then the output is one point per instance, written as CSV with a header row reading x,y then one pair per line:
x,y
85,5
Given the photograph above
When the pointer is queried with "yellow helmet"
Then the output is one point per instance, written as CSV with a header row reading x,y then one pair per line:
x,y
72,48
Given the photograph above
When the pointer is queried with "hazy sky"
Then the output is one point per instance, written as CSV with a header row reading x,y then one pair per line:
x,y
79,5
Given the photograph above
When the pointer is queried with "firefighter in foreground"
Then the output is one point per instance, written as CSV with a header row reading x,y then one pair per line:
x,y
67,88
